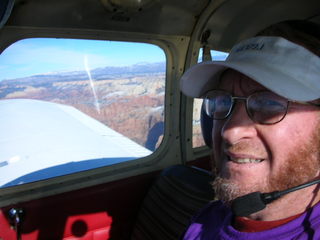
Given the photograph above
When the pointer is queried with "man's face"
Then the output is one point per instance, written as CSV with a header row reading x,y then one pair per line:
x,y
251,157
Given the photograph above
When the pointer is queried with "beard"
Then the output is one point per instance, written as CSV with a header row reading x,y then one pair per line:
x,y
300,167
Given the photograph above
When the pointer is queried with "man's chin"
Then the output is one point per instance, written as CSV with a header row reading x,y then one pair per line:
x,y
227,190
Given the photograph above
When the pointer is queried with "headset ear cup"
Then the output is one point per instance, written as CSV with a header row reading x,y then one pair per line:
x,y
5,11
206,123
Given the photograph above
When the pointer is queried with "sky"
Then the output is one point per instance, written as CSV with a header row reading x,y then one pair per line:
x,y
38,55
49,55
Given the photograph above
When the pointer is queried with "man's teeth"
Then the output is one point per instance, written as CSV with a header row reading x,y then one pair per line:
x,y
245,160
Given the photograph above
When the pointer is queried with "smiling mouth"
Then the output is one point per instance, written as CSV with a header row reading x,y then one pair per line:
x,y
244,160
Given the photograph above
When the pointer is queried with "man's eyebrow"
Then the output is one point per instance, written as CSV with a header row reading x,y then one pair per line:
x,y
220,78
249,85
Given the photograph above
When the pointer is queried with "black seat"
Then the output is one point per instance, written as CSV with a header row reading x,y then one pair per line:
x,y
178,193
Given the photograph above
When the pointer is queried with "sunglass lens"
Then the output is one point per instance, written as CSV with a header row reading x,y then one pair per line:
x,y
218,104
267,108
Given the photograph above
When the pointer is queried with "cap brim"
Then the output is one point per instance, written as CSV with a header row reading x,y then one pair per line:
x,y
203,77
200,78
281,66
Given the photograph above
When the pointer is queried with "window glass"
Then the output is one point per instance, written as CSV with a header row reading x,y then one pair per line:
x,y
70,105
197,140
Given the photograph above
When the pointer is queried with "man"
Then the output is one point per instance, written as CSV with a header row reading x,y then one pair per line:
x,y
266,122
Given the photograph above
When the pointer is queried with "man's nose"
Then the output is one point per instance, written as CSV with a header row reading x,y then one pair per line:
x,y
238,125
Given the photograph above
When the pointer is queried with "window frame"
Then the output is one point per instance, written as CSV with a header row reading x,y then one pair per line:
x,y
168,153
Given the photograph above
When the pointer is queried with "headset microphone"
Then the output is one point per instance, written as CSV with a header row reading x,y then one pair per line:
x,y
256,201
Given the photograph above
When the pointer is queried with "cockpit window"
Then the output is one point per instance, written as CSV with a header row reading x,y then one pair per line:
x,y
70,105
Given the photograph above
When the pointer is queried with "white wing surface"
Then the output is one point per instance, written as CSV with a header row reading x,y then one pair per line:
x,y
41,139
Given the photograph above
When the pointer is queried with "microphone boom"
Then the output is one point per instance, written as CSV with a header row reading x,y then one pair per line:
x,y
256,201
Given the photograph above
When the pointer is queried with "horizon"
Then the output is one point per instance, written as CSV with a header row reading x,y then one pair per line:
x,y
36,56
45,56
85,71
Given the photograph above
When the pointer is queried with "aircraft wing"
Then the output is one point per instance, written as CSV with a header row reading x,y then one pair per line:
x,y
42,139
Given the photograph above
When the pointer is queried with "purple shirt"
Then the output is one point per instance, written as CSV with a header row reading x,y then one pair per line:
x,y
215,222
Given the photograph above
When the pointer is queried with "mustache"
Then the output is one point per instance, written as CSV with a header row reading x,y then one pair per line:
x,y
243,147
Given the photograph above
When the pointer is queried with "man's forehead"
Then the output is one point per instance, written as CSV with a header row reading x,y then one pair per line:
x,y
230,78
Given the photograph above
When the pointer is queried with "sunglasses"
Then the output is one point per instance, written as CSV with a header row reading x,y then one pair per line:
x,y
263,107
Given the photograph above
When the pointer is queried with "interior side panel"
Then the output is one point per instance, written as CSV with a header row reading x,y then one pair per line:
x,y
203,162
102,212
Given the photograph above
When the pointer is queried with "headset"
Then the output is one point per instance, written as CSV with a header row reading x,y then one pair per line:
x,y
5,11
206,123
